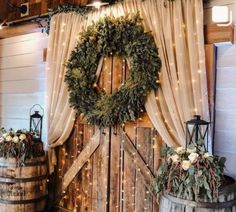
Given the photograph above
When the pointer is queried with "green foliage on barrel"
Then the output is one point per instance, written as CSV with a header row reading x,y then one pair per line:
x,y
191,174
19,144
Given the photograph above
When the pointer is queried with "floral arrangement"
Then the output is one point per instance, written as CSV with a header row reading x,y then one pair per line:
x,y
19,144
191,173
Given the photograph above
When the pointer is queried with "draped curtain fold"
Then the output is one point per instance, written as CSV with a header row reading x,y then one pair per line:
x,y
178,33
62,39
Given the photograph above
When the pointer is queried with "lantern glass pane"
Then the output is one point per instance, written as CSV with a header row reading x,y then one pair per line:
x,y
190,128
36,125
202,131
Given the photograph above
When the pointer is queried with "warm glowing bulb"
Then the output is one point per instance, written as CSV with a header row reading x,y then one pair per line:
x,y
220,14
97,4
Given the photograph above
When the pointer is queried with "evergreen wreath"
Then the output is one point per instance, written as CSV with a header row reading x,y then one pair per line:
x,y
124,37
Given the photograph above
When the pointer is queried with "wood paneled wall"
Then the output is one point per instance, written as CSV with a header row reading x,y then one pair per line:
x,y
210,54
115,178
36,7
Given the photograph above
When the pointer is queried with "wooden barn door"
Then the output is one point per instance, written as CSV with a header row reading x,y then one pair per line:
x,y
111,170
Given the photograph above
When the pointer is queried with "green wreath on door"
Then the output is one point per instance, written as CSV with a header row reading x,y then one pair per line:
x,y
124,37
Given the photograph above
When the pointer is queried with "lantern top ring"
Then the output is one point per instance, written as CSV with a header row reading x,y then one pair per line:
x,y
37,111
197,121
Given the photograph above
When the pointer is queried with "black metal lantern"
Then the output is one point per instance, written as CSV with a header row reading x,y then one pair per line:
x,y
197,132
36,123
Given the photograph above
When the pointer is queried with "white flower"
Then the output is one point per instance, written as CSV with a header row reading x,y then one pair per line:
x,y
186,164
191,150
8,138
206,155
175,158
15,139
22,137
1,139
193,157
4,135
180,150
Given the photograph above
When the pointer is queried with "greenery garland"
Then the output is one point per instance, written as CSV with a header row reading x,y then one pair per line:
x,y
67,8
124,37
82,10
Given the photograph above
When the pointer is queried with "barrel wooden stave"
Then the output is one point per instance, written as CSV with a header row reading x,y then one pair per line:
x,y
29,172
29,207
23,188
226,203
28,190
168,205
9,168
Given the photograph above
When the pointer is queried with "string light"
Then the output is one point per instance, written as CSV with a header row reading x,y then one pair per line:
x,y
124,181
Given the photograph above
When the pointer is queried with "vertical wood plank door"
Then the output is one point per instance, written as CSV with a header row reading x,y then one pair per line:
x,y
118,176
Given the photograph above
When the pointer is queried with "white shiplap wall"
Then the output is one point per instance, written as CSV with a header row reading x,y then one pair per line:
x,y
22,78
225,131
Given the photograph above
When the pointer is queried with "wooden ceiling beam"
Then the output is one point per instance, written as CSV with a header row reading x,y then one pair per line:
x,y
21,29
37,8
214,33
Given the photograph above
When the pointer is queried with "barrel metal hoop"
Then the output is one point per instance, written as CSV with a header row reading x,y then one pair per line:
x,y
212,205
22,180
33,163
28,201
228,188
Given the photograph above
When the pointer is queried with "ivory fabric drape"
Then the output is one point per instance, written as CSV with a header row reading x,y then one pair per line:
x,y
64,30
178,33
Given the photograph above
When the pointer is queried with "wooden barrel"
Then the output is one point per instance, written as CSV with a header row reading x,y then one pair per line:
x,y
23,188
226,202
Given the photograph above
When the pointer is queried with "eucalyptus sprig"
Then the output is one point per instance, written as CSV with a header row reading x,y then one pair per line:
x,y
190,174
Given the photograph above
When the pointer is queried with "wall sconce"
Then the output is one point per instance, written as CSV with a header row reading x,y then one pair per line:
x,y
97,3
23,8
222,15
